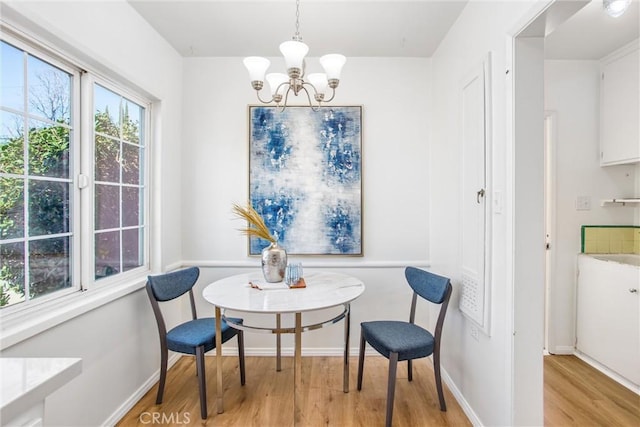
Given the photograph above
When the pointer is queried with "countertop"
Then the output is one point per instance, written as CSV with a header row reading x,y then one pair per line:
x,y
26,382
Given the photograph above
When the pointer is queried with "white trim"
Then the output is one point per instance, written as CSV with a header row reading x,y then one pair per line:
x,y
562,349
128,404
457,394
311,264
608,372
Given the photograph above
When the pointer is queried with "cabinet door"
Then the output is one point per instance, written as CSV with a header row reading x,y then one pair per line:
x,y
620,110
607,315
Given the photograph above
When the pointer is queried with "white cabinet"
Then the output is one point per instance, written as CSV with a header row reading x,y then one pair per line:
x,y
620,107
608,313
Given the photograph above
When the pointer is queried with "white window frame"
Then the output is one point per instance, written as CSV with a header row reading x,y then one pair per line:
x,y
88,171
24,320
74,154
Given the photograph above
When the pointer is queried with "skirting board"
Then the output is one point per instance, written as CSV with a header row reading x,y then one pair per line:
x,y
142,390
608,372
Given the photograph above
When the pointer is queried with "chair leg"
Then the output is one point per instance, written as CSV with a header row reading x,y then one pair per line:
x,y
241,356
163,375
410,369
201,381
436,370
391,387
361,360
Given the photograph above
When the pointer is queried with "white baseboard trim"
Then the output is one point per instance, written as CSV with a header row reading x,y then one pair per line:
x,y
126,406
563,350
468,410
608,372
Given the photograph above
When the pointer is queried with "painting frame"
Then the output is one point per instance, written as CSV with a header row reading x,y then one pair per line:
x,y
305,177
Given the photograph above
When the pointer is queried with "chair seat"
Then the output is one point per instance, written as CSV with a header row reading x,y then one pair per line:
x,y
410,341
186,337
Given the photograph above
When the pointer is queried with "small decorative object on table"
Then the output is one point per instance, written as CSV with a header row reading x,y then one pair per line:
x,y
274,257
293,276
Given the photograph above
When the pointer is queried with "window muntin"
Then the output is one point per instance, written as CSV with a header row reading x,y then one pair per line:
x,y
36,195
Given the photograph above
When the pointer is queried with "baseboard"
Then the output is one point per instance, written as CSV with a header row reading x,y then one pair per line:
x,y
138,394
466,408
563,350
608,372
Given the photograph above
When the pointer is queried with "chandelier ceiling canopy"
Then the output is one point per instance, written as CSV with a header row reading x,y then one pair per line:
x,y
281,85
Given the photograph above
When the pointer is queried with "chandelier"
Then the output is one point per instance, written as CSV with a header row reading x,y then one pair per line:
x,y
295,81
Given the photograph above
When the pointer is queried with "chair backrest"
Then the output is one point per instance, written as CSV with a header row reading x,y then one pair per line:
x,y
171,285
431,287
168,286
428,285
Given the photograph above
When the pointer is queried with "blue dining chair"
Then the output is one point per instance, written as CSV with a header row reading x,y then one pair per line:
x,y
196,336
399,340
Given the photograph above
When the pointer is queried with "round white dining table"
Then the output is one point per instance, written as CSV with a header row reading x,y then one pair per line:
x,y
323,290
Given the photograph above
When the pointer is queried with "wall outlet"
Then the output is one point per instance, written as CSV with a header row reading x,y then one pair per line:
x,y
474,332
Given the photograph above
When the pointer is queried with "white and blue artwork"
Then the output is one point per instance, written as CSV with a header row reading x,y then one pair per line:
x,y
305,178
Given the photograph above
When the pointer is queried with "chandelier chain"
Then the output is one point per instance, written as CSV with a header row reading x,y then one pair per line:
x,y
297,36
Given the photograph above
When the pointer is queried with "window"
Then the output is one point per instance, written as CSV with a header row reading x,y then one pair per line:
x,y
118,182
46,220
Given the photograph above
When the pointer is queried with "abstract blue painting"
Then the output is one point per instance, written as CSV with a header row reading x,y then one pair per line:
x,y
305,178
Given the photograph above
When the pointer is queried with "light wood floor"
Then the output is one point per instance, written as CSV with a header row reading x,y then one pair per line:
x,y
575,395
267,398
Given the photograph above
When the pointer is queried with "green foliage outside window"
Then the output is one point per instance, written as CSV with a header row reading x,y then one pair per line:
x,y
49,210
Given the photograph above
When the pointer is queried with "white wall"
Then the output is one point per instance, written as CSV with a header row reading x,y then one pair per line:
x,y
118,341
572,91
481,369
396,119
395,129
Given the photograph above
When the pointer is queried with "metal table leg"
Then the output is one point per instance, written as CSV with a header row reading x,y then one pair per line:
x,y
347,328
297,370
220,391
278,344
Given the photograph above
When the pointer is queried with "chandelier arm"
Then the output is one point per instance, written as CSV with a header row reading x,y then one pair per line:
x,y
262,100
286,98
313,107
315,91
333,94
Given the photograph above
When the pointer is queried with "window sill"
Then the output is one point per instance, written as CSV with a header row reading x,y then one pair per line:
x,y
17,327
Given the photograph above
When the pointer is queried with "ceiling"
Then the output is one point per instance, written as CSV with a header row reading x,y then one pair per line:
x,y
592,34
391,28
